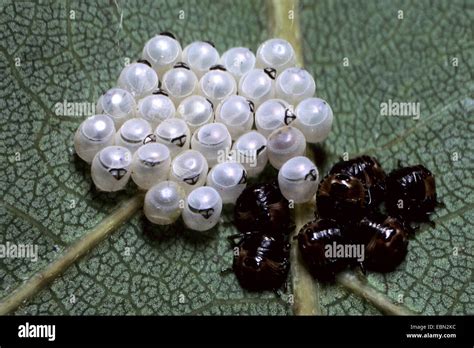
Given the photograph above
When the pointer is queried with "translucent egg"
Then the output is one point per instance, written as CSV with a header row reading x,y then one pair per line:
x,y
117,103
298,179
250,150
257,85
155,109
236,113
294,85
200,56
213,141
217,84
276,53
162,51
189,169
285,143
238,61
94,134
133,133
202,210
273,114
229,179
179,83
139,79
163,203
150,165
195,111
174,133
110,170
314,119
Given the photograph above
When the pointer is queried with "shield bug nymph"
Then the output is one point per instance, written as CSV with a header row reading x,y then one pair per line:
x,y
261,261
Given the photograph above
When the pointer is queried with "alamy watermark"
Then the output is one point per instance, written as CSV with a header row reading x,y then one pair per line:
x,y
349,251
242,156
74,109
19,251
401,109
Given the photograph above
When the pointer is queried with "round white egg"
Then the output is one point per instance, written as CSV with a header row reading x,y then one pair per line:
x,y
229,179
314,118
179,83
257,85
189,169
250,150
132,134
273,114
110,170
155,109
150,165
285,143
196,111
298,179
238,61
174,133
237,114
162,51
117,103
200,56
94,133
294,85
213,141
164,203
139,79
202,210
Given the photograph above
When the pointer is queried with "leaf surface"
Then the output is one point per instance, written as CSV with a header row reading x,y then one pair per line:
x,y
47,57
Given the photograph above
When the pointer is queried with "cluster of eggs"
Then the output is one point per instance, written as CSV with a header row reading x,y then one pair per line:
x,y
190,126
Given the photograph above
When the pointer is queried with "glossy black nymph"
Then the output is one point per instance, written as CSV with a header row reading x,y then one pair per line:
x,y
261,261
342,197
368,170
385,239
411,193
313,240
262,208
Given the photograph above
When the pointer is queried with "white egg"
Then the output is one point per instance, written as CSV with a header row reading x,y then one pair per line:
x,y
164,202
179,83
229,179
117,103
174,133
236,113
189,169
95,133
150,165
202,210
133,133
200,56
238,61
213,141
217,84
250,150
155,109
196,111
139,79
277,54
298,179
285,143
273,114
294,85
258,85
110,170
314,118
162,51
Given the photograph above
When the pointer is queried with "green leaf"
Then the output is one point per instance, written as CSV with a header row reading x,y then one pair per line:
x,y
46,196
